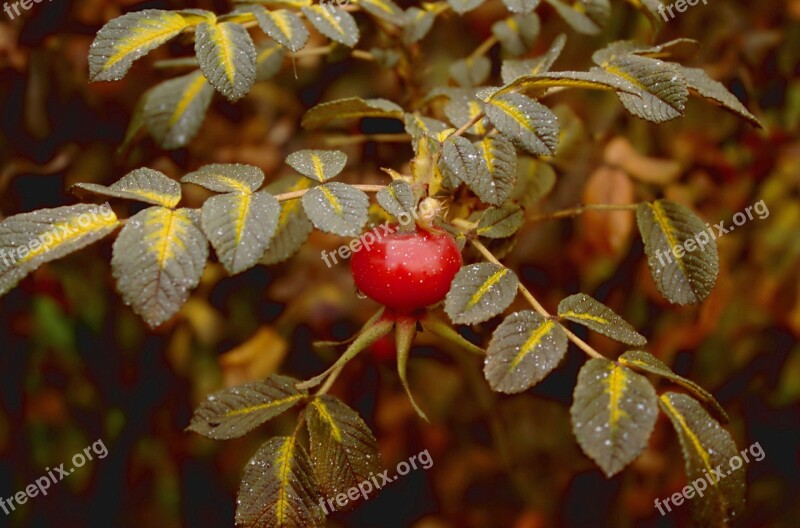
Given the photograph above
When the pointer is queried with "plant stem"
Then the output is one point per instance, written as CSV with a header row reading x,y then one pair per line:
x,y
337,141
483,48
311,52
298,194
467,125
575,211
583,345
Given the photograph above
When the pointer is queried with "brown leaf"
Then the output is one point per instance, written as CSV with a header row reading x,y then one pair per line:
x,y
608,231
621,154
255,359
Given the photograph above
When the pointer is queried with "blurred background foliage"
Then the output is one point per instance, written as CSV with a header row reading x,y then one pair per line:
x,y
76,365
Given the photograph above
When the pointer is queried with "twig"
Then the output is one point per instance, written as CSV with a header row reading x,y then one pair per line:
x,y
298,194
467,125
575,211
363,138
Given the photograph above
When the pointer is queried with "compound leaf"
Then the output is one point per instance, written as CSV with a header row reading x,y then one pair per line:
x,y
234,412
29,240
158,258
337,208
175,109
593,314
227,57
530,125
683,268
319,165
143,185
479,292
524,349
613,413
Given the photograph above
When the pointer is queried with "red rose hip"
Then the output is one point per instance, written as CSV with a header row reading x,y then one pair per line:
x,y
407,271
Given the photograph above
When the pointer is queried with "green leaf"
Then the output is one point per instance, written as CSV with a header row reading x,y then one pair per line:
x,y
234,412
479,292
349,108
422,128
517,34
385,9
269,59
336,24
175,109
669,230
524,349
613,413
521,6
511,69
143,185
293,224
471,72
405,331
646,362
585,310
344,450
500,158
699,82
283,26
240,226
128,38
227,57
227,177
464,6
656,89
584,16
596,79
707,446
501,222
461,158
535,180
29,240
418,22
158,258
337,208
279,489
530,125
397,198
319,165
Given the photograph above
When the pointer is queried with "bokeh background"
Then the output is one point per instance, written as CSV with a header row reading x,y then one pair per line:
x,y
76,365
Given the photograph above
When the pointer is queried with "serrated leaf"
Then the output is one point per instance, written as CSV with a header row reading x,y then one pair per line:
x,y
319,165
462,107
227,57
666,228
143,185
596,79
464,6
240,227
501,222
524,349
227,177
279,489
479,292
344,450
471,71
349,108
418,22
284,26
175,109
500,158
463,160
677,49
613,413
269,59
336,24
337,208
699,82
521,6
659,90
646,362
128,38
422,128
535,180
517,34
397,198
707,447
511,69
236,411
293,225
29,240
582,309
584,16
158,258
530,125
385,9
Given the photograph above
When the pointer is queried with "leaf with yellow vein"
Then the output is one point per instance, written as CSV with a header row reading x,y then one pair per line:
x,y
319,165
350,108
593,314
528,124
336,24
337,208
293,224
175,109
283,26
227,57
227,177
479,292
143,185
